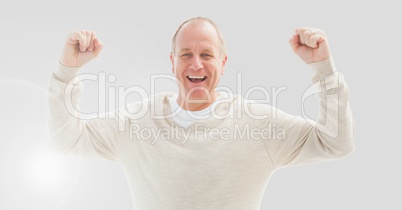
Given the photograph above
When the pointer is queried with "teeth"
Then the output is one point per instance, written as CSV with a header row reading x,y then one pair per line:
x,y
196,77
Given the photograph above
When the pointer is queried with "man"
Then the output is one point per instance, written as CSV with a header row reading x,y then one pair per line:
x,y
205,149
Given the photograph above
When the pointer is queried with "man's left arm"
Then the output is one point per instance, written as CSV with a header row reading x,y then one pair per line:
x,y
331,136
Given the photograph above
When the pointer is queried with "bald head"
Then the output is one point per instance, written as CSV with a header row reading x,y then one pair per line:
x,y
204,25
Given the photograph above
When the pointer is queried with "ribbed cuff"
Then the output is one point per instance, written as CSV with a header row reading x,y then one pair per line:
x,y
322,69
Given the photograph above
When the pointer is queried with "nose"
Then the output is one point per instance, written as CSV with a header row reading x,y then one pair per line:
x,y
196,63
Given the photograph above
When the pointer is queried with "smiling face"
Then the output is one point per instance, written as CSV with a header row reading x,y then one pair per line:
x,y
197,63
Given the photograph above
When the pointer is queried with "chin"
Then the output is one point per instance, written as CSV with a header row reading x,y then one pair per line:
x,y
201,94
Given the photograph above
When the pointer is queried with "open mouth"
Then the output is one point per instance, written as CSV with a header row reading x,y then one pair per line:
x,y
196,78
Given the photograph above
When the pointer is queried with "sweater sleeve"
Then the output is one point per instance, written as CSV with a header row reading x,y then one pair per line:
x,y
68,132
330,137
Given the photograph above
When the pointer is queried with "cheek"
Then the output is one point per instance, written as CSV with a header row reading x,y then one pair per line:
x,y
180,66
179,71
215,70
176,69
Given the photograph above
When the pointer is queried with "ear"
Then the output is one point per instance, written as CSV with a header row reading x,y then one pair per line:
x,y
172,60
223,64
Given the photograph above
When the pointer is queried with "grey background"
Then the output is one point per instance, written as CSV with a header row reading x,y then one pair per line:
x,y
366,46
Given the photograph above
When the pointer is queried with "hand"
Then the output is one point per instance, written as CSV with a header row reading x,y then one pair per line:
x,y
310,44
80,48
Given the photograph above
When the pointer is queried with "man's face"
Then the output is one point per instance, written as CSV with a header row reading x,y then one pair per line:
x,y
197,62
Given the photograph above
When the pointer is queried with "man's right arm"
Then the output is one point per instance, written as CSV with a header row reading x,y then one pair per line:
x,y
68,132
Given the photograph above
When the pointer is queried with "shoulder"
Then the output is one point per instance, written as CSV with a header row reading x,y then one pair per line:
x,y
152,104
246,107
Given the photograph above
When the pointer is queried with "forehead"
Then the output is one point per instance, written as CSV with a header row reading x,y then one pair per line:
x,y
197,33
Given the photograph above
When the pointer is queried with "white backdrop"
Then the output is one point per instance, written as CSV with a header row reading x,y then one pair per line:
x,y
366,46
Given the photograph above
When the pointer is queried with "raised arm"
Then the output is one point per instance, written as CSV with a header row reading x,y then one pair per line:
x,y
331,136
67,131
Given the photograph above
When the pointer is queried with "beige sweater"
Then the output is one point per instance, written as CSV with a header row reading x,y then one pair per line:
x,y
221,162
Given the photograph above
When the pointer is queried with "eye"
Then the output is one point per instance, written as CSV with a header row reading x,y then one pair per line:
x,y
205,55
186,55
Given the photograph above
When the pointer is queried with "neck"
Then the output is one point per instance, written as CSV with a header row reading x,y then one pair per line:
x,y
196,103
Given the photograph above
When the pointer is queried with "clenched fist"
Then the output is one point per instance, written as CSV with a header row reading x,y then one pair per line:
x,y
80,48
310,44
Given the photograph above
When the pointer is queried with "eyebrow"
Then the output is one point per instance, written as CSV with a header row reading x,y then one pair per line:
x,y
208,51
184,50
204,50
